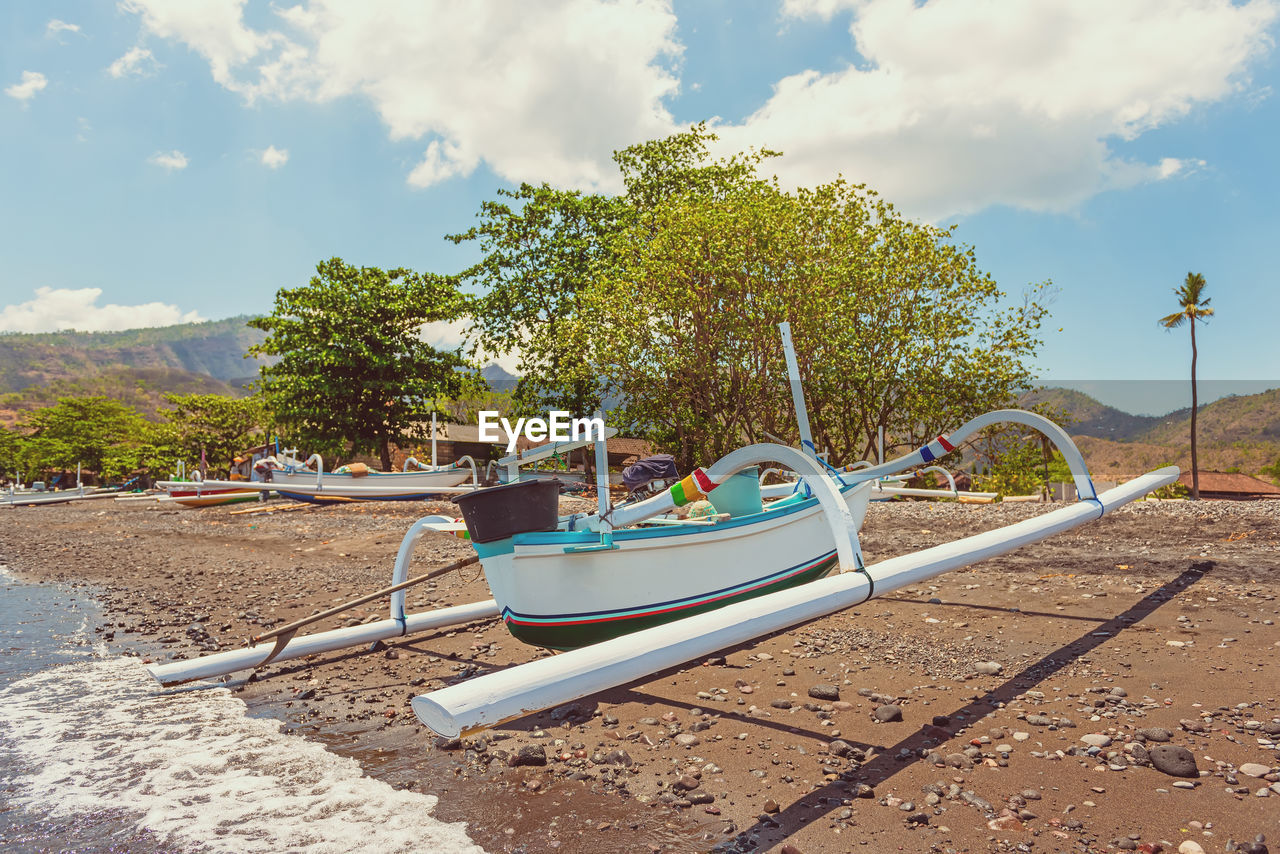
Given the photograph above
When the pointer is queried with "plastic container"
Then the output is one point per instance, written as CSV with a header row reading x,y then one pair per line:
x,y
498,512
739,495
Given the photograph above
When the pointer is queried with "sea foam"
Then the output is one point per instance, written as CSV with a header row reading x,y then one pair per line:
x,y
192,767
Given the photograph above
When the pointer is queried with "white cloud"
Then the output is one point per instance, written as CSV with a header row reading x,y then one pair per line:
x,y
959,105
170,160
537,92
450,334
32,82
947,107
55,26
274,158
63,308
137,61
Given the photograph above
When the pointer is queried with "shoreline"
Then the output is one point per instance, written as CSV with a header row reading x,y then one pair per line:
x,y
737,751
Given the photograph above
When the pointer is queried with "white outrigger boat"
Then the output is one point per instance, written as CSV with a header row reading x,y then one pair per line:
x,y
628,601
631,590
310,482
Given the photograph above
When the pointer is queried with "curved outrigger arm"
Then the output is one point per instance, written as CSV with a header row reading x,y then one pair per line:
x,y
946,444
703,481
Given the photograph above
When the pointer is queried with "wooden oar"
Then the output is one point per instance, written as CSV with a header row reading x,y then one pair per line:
x,y
285,633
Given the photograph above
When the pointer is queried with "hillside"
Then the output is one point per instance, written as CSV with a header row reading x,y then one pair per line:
x,y
215,348
1091,417
1240,432
141,388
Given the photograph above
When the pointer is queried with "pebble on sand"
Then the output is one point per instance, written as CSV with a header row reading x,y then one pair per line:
x,y
824,691
1174,760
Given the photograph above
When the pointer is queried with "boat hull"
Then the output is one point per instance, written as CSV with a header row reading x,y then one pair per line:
x,y
562,599
400,480
212,499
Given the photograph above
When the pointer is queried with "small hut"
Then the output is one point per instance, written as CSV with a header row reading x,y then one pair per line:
x,y
1231,486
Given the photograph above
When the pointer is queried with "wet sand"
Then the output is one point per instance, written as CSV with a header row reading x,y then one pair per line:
x,y
1016,705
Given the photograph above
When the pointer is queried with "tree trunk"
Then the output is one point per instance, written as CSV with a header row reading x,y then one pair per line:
x,y
385,448
1195,469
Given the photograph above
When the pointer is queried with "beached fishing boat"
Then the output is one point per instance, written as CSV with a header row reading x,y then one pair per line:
x,y
633,588
642,598
561,590
311,483
209,498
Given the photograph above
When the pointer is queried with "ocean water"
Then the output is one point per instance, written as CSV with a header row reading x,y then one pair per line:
x,y
95,757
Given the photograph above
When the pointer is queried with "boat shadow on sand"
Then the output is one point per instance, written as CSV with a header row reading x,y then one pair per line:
x,y
817,804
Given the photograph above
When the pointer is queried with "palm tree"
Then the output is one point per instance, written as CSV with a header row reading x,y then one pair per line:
x,y
1192,308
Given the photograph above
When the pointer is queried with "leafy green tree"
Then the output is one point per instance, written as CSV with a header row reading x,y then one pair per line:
x,y
542,249
893,323
354,374
1016,470
78,430
9,462
214,426
1192,306
1273,472
659,170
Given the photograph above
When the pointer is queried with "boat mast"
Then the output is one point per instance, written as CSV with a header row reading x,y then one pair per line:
x,y
797,391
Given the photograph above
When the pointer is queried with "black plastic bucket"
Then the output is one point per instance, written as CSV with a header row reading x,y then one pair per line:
x,y
499,512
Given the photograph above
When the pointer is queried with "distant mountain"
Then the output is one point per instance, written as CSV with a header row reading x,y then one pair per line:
x,y
1234,432
141,388
215,348
1091,417
498,377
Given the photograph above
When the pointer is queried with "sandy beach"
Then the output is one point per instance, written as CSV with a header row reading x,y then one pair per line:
x,y
1113,688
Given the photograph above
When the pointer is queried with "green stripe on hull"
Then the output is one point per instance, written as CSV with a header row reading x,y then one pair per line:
x,y
564,636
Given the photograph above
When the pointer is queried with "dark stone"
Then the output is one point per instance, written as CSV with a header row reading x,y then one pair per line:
x,y
530,754
619,757
888,714
443,743
780,704
1174,760
569,710
839,748
941,721
1039,720
862,790
917,818
771,806
824,691
1156,733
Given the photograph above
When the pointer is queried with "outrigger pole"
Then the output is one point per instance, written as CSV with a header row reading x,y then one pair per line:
x,y
797,390
398,624
489,700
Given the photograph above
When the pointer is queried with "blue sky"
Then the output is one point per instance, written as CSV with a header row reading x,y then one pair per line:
x,y
172,159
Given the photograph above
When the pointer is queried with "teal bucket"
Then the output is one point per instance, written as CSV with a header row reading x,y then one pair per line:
x,y
739,495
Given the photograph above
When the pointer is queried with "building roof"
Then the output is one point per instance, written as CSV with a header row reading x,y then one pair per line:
x,y
1231,482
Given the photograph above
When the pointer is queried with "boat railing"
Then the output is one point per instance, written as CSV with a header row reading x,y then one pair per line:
x,y
943,445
